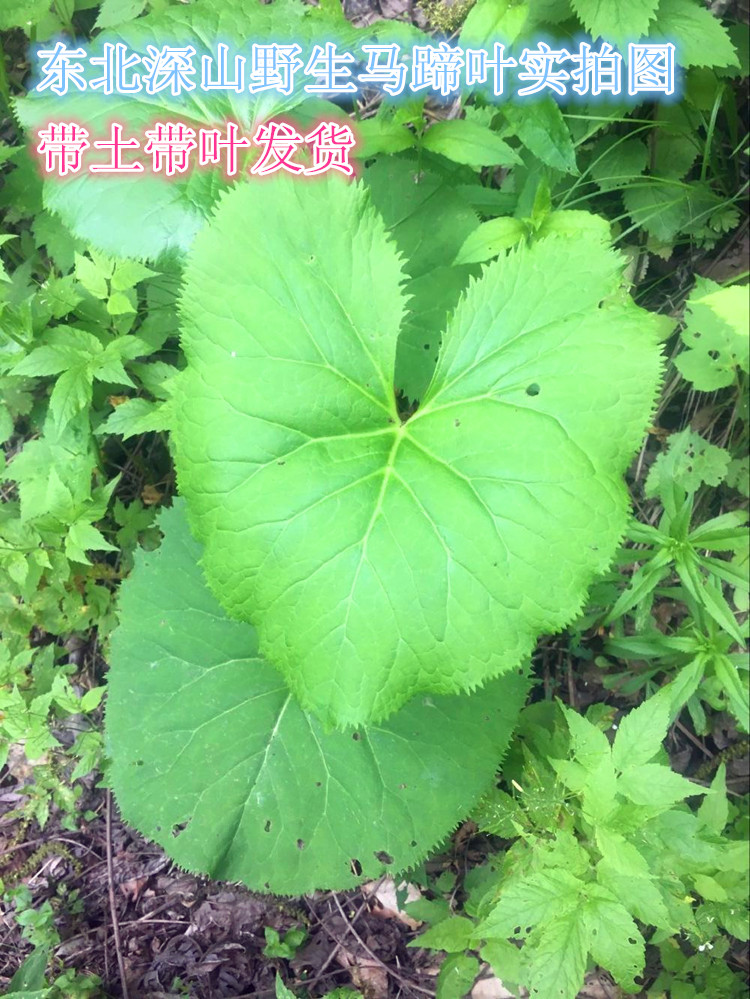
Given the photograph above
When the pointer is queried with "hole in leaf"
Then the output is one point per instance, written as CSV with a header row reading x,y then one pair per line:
x,y
355,866
356,736
267,826
532,389
404,406
300,844
402,787
413,843
427,346
384,857
318,783
456,423
178,827
139,763
713,354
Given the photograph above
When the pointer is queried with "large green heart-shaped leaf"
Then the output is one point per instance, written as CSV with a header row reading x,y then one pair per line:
x,y
214,759
379,558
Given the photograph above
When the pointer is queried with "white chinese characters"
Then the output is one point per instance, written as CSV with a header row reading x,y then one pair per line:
x,y
443,69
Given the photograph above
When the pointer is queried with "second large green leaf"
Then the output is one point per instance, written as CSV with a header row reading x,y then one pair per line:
x,y
213,759
378,558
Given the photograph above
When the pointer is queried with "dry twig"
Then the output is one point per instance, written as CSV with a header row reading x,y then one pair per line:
x,y
112,904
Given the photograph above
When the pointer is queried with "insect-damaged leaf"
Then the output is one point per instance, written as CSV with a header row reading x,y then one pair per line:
x,y
214,759
379,558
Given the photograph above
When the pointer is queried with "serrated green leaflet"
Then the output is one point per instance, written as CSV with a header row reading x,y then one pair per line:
x,y
617,162
379,558
698,35
214,759
541,128
616,22
493,20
